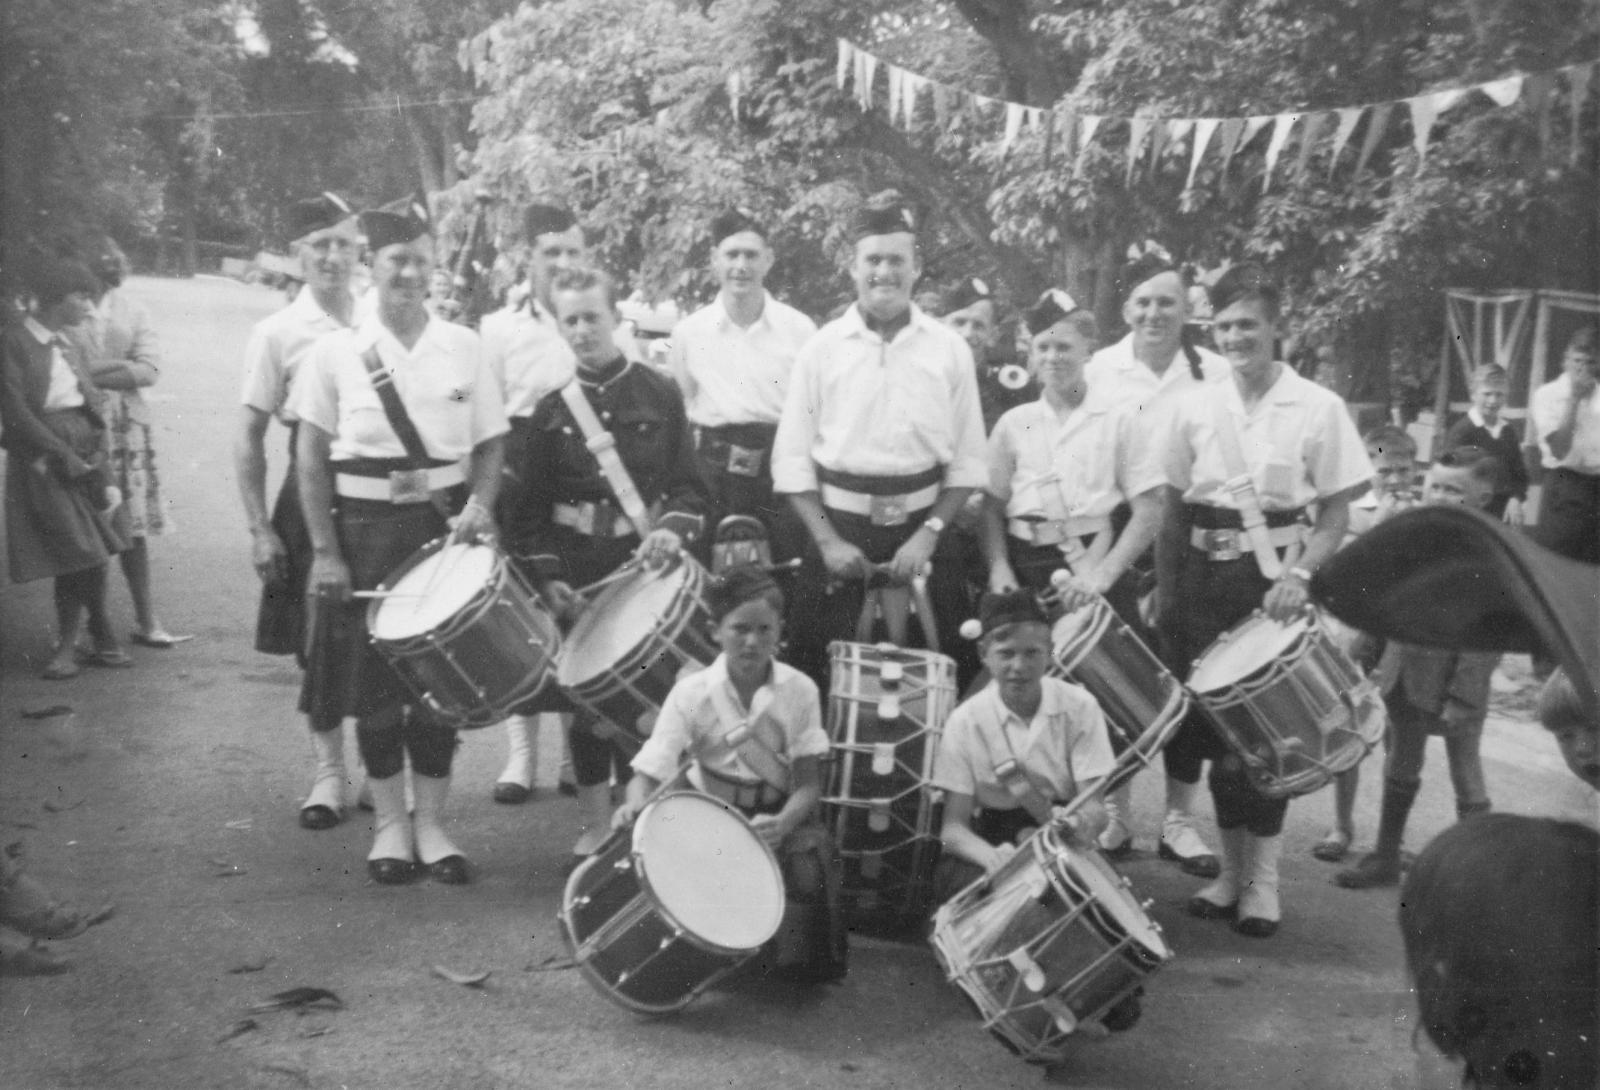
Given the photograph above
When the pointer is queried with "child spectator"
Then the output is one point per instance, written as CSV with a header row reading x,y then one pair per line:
x,y
1484,428
1432,691
1393,454
772,774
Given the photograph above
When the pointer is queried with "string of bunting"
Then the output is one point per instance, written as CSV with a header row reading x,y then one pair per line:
x,y
1223,137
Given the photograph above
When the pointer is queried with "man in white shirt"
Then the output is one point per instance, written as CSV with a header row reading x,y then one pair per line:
x,y
732,359
378,477
1149,373
524,347
327,244
880,443
1566,419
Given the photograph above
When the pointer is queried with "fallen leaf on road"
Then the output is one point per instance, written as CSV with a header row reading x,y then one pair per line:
x,y
299,999
315,1031
226,869
242,823
254,966
466,980
61,807
47,713
240,1028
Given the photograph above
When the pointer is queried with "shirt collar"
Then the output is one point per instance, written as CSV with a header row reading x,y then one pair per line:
x,y
1287,390
1477,419
1049,704
371,332
855,324
764,320
717,677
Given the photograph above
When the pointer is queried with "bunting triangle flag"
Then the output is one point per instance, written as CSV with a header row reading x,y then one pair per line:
x,y
1349,118
1282,125
1579,79
1014,113
1377,125
869,70
1035,118
914,87
1503,92
1087,124
893,103
846,63
1425,110
1203,129
1309,132
1138,129
1228,134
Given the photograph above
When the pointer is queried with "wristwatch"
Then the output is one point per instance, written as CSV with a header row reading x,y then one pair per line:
x,y
934,523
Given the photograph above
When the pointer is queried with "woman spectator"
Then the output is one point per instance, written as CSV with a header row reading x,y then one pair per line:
x,y
120,350
59,501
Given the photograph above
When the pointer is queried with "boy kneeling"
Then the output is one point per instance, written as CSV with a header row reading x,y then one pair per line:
x,y
753,727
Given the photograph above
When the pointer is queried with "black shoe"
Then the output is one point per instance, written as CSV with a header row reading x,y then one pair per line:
x,y
319,817
452,870
1209,910
512,794
567,788
1256,928
392,872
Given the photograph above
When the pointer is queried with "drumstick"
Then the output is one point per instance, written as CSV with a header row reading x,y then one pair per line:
x,y
385,594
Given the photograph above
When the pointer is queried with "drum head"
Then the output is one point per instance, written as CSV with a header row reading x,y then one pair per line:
x,y
1248,646
433,590
709,870
1117,903
618,621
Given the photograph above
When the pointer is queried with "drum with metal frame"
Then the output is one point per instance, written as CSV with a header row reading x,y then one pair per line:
x,y
1289,702
1143,703
464,632
1053,939
886,710
633,639
659,914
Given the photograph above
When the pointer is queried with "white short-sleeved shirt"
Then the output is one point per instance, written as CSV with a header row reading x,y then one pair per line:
x,y
1299,445
1064,746
1128,382
1549,408
785,714
528,354
733,375
447,386
1083,464
858,405
63,392
278,345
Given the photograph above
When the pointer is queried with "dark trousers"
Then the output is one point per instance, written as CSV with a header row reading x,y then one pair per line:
x,y
1569,515
822,612
1213,596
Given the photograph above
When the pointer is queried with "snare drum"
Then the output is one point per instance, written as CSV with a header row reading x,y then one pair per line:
x,y
886,710
626,650
1289,702
463,630
1054,939
658,916
1144,704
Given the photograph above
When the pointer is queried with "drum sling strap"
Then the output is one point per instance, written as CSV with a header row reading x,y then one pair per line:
x,y
400,422
1242,488
1079,559
1015,778
742,734
603,445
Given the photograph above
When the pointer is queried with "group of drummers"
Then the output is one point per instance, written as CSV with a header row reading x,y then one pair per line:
x,y
794,490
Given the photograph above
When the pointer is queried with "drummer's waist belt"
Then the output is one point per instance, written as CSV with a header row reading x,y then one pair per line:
x,y
597,518
1219,532
759,795
887,501
739,449
1056,531
393,480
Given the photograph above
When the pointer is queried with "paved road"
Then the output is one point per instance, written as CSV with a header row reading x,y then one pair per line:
x,y
173,788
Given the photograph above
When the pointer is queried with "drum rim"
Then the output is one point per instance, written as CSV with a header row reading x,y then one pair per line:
x,y
648,888
676,615
477,603
1070,853
1088,635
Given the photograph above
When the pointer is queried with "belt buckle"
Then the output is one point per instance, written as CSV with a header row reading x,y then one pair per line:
x,y
1224,544
743,461
1050,532
888,510
409,486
